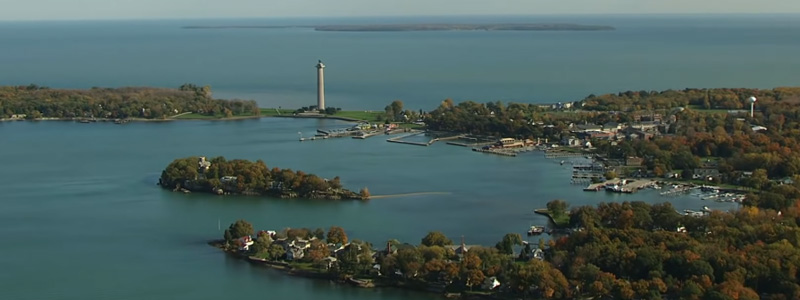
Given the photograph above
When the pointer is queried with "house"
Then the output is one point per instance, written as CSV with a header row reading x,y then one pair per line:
x,y
585,127
612,127
228,179
633,133
633,161
705,173
570,141
490,283
529,252
203,164
245,242
509,143
296,249
19,116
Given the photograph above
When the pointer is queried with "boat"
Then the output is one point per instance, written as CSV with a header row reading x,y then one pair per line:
x,y
535,230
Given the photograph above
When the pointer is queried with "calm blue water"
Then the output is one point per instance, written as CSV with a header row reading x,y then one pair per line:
x,y
81,218
370,69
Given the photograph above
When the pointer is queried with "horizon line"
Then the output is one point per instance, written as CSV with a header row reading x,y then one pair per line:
x,y
630,14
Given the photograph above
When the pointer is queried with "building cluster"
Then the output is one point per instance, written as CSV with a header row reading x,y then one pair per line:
x,y
298,248
580,135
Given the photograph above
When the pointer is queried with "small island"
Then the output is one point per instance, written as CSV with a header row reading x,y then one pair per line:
x,y
426,27
242,177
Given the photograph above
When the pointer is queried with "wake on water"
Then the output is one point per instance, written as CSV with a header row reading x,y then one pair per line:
x,y
409,195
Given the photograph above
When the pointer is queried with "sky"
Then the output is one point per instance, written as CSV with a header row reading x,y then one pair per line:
x,y
11,10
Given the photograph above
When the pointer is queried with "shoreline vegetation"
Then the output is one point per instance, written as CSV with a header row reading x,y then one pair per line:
x,y
424,27
628,250
242,177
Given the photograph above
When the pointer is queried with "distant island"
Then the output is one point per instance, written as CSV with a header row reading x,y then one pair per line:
x,y
426,27
189,101
242,177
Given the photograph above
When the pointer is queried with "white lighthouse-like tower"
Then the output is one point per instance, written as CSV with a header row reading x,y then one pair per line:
x,y
320,86
752,105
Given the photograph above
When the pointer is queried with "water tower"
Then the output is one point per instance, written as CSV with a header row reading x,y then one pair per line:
x,y
752,104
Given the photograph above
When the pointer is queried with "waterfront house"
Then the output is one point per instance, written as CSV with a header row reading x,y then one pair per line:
x,y
245,242
228,179
705,173
570,141
330,261
509,143
203,164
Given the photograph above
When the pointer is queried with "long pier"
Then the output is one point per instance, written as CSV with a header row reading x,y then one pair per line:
x,y
495,152
400,141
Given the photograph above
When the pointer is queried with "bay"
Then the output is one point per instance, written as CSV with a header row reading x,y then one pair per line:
x,y
82,218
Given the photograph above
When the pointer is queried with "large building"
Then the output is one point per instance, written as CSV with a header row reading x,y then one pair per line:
x,y
320,86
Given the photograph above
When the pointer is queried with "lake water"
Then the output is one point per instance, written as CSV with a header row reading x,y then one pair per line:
x,y
81,217
367,70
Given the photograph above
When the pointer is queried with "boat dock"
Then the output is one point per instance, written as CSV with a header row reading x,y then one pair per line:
x,y
622,185
678,189
562,154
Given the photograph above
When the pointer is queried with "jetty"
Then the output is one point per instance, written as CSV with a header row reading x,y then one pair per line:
x,y
400,140
492,151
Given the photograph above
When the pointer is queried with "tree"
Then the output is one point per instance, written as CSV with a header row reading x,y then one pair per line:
x,y
336,235
262,244
506,245
436,238
317,251
364,193
319,233
275,252
240,228
557,208
610,175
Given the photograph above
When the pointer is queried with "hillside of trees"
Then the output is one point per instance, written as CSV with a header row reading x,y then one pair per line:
x,y
245,177
118,103
629,250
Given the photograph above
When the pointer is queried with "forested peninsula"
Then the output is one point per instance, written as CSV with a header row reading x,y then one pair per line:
x,y
34,102
426,27
703,135
242,177
629,250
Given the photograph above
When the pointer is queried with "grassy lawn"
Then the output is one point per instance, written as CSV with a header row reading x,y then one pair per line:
x,y
368,115
268,112
710,111
561,221
411,126
303,266
196,116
